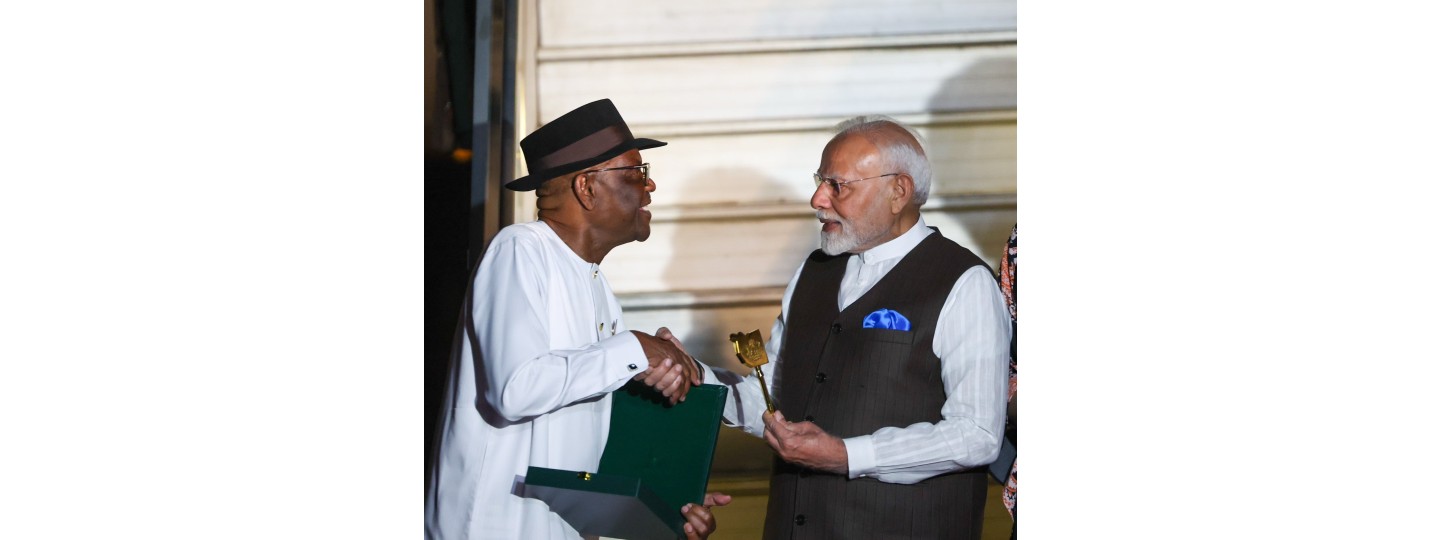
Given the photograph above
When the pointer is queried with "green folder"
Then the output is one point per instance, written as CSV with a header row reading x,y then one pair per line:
x,y
657,459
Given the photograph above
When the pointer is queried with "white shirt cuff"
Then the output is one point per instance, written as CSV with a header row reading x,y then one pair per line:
x,y
707,374
624,358
860,452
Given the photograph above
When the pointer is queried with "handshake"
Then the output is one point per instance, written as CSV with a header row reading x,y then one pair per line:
x,y
672,371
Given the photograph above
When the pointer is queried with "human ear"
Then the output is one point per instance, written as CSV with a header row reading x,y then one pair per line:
x,y
902,192
584,190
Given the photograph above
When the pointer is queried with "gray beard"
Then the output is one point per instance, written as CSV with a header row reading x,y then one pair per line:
x,y
837,243
850,236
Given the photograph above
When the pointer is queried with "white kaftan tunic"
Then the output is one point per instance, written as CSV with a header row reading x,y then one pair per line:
x,y
530,382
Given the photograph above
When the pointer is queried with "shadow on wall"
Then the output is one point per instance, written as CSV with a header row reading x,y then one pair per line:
x,y
706,330
989,229
985,85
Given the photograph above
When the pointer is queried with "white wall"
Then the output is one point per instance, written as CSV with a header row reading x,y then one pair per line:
x,y
746,93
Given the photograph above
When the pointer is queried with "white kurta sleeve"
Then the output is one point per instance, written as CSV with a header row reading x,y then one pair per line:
x,y
523,377
745,404
973,342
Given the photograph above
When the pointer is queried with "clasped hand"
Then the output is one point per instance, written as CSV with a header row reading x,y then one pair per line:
x,y
672,371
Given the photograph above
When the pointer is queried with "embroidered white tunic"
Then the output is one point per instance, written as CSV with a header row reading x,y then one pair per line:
x,y
535,359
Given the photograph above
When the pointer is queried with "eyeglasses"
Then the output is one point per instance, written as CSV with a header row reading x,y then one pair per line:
x,y
643,167
836,184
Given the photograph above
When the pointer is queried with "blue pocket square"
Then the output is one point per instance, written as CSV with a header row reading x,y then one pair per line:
x,y
885,318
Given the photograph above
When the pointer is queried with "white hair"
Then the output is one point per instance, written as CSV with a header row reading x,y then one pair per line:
x,y
908,158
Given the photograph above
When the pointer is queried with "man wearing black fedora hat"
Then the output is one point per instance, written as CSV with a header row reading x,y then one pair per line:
x,y
542,343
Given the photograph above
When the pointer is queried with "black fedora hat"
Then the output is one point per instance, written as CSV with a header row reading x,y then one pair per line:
x,y
591,134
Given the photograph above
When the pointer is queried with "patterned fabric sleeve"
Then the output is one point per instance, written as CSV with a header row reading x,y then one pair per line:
x,y
1007,286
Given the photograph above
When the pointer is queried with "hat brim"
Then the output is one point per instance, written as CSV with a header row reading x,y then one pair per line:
x,y
535,179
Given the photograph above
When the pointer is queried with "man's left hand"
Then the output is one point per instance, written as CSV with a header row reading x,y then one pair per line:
x,y
805,444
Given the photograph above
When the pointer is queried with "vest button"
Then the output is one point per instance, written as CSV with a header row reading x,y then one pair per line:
x,y
835,328
820,377
800,519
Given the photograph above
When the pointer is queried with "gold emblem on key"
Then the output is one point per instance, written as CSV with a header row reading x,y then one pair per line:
x,y
750,348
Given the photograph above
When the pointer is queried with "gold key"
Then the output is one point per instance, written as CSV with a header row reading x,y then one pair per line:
x,y
750,348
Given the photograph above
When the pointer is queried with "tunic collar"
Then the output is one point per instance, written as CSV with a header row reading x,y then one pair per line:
x,y
574,258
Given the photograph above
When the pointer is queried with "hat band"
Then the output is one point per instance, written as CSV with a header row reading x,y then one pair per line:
x,y
587,147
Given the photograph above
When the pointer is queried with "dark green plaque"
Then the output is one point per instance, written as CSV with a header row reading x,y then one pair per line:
x,y
657,459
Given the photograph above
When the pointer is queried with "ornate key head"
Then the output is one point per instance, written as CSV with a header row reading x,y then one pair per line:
x,y
750,348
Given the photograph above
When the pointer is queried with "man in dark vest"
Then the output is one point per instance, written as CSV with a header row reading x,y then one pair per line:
x,y
889,359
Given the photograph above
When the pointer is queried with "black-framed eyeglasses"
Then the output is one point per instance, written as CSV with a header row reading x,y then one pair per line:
x,y
643,167
836,183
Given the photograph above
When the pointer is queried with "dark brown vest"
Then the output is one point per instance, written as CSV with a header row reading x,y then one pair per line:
x,y
853,381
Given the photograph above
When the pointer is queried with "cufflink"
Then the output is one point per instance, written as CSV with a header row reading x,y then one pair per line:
x,y
633,368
